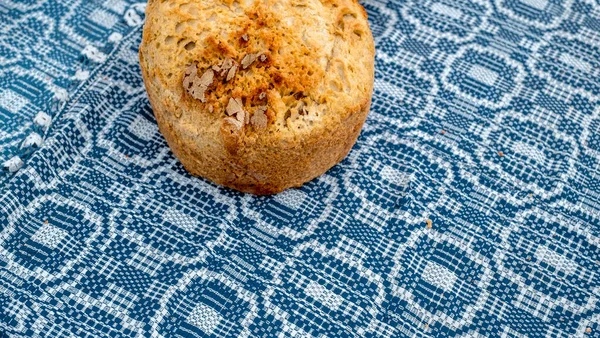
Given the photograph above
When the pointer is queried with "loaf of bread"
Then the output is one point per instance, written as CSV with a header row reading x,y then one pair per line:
x,y
258,95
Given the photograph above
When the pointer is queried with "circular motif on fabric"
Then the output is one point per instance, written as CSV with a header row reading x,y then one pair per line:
x,y
568,63
538,159
537,13
448,19
483,77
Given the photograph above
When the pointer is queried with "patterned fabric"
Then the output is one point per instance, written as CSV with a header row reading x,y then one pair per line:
x,y
469,206
47,49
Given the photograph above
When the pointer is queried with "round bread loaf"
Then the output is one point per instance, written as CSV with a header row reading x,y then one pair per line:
x,y
258,95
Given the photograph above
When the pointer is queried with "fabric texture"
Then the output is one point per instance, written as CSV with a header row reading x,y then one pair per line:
x,y
468,207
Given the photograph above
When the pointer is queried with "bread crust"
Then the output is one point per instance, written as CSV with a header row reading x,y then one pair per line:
x,y
311,73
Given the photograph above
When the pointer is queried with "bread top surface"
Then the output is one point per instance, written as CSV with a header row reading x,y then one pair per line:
x,y
258,70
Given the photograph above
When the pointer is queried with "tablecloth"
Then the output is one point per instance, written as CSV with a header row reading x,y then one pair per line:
x,y
470,205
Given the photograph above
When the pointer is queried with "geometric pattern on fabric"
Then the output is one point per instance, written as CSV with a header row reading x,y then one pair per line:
x,y
468,207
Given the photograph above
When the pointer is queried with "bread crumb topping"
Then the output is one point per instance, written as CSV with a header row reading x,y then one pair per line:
x,y
236,115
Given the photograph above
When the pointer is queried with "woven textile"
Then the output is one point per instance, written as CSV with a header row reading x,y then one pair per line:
x,y
470,205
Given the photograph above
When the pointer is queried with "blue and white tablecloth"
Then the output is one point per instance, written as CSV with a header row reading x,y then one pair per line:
x,y
470,205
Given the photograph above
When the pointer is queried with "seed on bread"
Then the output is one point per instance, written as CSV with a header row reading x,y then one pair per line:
x,y
248,60
231,72
207,78
234,106
259,118
243,117
197,86
225,66
236,123
188,77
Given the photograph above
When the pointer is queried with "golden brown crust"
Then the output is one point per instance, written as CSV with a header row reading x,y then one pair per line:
x,y
301,69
